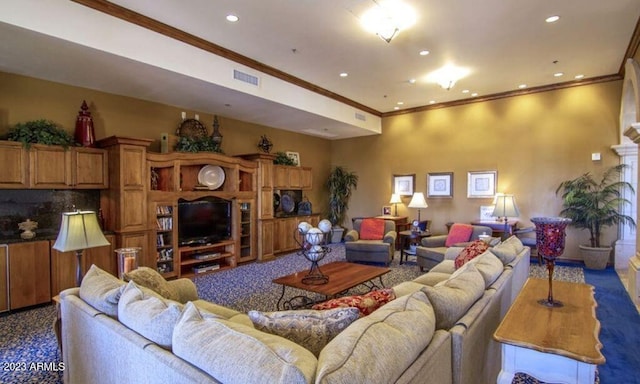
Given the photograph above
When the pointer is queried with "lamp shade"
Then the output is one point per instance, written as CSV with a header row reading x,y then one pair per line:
x,y
505,206
418,201
79,230
395,199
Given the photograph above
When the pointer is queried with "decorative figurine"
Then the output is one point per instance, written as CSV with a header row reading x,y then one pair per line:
x,y
216,136
28,227
85,134
265,144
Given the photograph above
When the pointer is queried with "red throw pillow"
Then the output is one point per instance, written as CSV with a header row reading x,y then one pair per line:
x,y
372,229
366,303
471,251
459,233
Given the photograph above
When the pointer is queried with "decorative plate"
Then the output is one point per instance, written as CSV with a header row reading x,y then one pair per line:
x,y
212,176
192,128
287,203
276,200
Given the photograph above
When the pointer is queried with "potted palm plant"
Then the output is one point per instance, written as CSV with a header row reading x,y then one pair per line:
x,y
593,205
340,183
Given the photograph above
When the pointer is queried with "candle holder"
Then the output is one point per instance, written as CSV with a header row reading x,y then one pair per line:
x,y
127,260
550,239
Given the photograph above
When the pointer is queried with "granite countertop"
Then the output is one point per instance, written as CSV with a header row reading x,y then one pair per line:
x,y
40,236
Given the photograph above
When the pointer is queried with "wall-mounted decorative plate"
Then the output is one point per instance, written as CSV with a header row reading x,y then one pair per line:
x,y
212,176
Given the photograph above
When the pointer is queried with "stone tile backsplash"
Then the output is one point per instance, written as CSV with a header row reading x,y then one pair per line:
x,y
44,206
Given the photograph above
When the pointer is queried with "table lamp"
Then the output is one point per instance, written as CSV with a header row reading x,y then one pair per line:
x,y
418,201
79,230
505,207
395,200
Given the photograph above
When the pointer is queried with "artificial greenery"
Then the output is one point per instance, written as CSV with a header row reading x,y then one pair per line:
x,y
594,204
197,144
340,184
283,159
40,132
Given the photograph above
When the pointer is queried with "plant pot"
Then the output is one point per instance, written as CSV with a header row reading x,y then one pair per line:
x,y
595,258
336,234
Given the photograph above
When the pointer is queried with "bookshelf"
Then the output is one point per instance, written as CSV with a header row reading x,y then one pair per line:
x,y
165,236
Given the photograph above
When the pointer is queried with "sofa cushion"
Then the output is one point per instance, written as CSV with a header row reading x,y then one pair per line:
x,y
432,278
489,266
406,288
223,312
379,348
101,290
235,353
453,297
471,251
149,314
516,242
372,229
310,328
505,251
366,303
150,278
459,233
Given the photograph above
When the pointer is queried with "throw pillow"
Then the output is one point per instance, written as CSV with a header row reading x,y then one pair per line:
x,y
151,316
452,298
470,252
459,233
372,229
505,251
101,290
236,353
366,303
150,278
310,328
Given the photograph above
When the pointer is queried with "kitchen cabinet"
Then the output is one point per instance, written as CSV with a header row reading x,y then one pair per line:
x,y
29,274
291,177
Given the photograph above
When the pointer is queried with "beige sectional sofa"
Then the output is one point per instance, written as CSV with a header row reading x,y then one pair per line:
x,y
115,333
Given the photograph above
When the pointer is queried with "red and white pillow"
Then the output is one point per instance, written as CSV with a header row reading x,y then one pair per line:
x,y
471,251
366,303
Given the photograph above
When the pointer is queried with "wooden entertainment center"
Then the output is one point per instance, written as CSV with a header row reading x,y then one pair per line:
x,y
139,193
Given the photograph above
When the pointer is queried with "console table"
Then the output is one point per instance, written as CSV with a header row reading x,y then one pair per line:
x,y
498,226
551,344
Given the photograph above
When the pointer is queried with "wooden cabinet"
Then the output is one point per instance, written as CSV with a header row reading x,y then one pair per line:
x,y
290,177
29,274
246,231
63,264
208,258
284,237
15,165
4,281
52,167
266,228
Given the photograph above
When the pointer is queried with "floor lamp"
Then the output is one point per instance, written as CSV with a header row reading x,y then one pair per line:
x,y
79,230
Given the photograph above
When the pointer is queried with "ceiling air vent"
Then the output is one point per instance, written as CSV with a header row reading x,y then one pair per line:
x,y
246,78
361,116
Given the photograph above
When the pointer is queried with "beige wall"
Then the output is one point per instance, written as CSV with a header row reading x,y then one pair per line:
x,y
24,98
533,141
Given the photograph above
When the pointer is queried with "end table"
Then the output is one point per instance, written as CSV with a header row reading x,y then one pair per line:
x,y
408,238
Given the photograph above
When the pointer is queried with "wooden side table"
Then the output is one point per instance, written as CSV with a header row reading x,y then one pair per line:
x,y
498,226
402,223
407,238
551,344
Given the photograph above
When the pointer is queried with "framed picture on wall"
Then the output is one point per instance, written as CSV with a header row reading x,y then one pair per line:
x,y
295,156
386,210
440,184
482,184
403,184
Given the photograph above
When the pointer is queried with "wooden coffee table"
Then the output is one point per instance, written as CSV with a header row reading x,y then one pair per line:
x,y
342,277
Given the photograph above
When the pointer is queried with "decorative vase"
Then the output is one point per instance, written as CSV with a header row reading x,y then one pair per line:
x,y
595,258
550,241
85,133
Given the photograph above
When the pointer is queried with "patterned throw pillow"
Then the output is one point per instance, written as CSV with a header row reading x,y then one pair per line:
x,y
366,303
150,278
459,233
372,229
310,328
471,251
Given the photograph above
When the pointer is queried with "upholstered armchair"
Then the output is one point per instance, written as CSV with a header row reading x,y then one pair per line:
x,y
371,240
432,249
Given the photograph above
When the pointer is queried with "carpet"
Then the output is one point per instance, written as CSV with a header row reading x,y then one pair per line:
x,y
619,328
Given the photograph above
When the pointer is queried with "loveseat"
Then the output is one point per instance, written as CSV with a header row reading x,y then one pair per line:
x,y
432,249
114,332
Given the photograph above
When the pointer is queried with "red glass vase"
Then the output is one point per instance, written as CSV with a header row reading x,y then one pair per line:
x,y
550,239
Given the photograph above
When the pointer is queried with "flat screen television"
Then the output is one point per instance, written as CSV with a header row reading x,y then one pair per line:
x,y
203,221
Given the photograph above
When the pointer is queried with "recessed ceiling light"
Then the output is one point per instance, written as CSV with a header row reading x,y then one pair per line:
x,y
396,108
474,94
232,18
412,81
521,86
558,74
465,91
400,102
432,102
552,19
579,76
344,74
424,53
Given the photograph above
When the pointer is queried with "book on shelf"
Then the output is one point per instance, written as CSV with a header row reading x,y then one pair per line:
x,y
206,268
205,256
164,223
164,210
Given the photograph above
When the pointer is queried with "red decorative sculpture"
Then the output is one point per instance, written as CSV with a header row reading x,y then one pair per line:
x,y
550,238
85,133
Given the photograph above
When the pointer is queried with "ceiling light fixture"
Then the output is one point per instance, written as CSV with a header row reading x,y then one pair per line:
x,y
522,86
579,76
344,74
424,53
447,76
552,19
232,18
387,18
558,74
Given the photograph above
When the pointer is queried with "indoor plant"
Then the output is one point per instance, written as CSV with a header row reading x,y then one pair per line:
x,y
340,184
40,132
593,205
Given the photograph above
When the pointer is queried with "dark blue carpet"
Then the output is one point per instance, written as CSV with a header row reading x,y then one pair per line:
x,y
620,328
